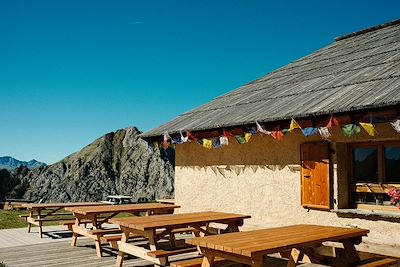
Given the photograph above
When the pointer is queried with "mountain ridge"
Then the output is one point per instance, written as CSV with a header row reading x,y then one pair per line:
x,y
10,163
118,163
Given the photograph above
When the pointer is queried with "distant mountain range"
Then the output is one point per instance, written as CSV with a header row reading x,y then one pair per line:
x,y
10,163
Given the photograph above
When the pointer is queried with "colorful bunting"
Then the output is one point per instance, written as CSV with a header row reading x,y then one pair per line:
x,y
247,137
293,125
396,125
216,143
207,143
324,132
190,136
277,135
252,130
183,139
369,128
223,140
166,136
377,119
309,131
332,122
260,129
350,129
240,139
226,133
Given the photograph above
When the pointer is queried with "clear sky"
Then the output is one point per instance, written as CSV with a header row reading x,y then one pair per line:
x,y
71,71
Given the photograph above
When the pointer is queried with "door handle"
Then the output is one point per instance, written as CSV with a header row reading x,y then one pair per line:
x,y
307,176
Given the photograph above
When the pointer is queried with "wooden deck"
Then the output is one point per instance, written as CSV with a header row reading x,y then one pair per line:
x,y
20,249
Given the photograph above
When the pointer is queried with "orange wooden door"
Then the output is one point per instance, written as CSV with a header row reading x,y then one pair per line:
x,y
315,182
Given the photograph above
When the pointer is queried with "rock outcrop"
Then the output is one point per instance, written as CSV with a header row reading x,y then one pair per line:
x,y
117,163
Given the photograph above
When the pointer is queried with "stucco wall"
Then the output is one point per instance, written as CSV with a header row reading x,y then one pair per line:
x,y
262,179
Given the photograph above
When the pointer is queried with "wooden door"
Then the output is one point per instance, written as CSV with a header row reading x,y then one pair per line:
x,y
315,182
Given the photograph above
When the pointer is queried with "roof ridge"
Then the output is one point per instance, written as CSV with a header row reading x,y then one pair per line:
x,y
370,29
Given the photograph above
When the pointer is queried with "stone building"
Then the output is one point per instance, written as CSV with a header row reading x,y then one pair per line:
x,y
345,98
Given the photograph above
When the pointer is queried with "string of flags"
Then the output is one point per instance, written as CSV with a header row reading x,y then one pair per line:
x,y
348,130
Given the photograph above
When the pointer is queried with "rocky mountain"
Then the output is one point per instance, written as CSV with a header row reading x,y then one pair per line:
x,y
10,163
119,163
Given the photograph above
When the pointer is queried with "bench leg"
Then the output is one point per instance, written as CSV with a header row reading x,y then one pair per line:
x,y
99,252
74,239
120,259
29,227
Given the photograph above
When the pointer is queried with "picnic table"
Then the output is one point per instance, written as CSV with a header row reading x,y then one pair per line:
x,y
15,203
155,228
44,212
250,247
102,214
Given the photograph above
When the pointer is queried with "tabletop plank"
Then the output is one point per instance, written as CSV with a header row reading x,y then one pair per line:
x,y
175,220
60,205
120,208
275,239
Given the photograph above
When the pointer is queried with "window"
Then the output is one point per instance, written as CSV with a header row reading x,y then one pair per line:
x,y
375,168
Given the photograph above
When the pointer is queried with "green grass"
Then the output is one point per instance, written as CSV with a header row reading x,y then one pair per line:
x,y
10,219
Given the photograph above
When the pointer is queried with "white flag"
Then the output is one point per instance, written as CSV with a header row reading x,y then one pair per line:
x,y
324,132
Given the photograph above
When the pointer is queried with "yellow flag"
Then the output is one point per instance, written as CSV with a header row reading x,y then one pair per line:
x,y
207,143
247,136
293,125
369,128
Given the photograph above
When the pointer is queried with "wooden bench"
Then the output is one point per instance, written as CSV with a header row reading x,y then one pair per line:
x,y
196,262
69,223
113,239
165,253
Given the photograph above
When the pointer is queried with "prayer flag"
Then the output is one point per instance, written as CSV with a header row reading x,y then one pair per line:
x,y
293,125
350,129
247,136
324,132
166,136
252,130
369,128
226,133
207,143
377,119
332,122
260,129
309,131
183,139
190,136
223,140
278,135
216,143
240,139
396,125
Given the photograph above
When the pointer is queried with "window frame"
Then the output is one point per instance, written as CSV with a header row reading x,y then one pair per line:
x,y
378,187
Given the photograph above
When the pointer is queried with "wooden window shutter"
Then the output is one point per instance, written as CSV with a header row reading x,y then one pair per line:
x,y
315,181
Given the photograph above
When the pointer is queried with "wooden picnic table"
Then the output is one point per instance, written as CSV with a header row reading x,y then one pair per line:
x,y
155,228
102,214
42,212
250,247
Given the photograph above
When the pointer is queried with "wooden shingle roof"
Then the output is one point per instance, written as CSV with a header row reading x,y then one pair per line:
x,y
357,72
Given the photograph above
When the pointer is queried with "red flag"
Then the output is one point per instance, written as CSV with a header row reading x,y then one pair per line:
x,y
278,135
332,122
190,136
226,133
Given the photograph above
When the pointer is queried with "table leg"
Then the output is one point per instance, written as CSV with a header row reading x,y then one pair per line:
x,y
257,261
40,223
29,224
121,254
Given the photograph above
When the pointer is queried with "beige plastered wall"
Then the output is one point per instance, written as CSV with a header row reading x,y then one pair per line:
x,y
262,179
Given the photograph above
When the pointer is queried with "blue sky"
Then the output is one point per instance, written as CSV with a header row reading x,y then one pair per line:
x,y
71,71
